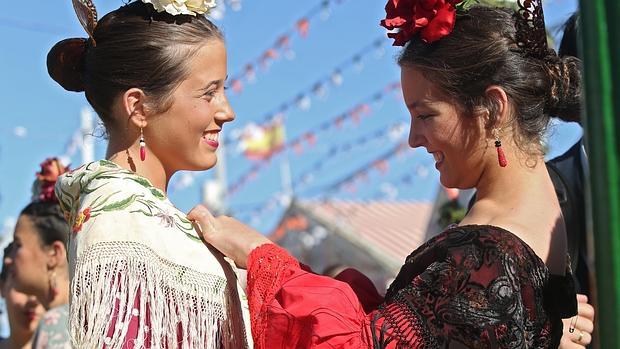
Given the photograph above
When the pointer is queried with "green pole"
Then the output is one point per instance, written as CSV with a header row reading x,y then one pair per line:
x,y
601,37
613,11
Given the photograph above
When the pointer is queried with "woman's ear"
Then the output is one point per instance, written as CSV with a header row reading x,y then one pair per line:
x,y
57,254
134,106
498,114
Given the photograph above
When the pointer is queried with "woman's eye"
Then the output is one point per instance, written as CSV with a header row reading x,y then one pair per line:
x,y
424,116
209,94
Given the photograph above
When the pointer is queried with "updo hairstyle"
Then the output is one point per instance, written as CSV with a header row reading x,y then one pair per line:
x,y
483,51
136,46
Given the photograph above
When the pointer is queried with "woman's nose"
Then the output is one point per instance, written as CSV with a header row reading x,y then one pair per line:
x,y
415,138
226,114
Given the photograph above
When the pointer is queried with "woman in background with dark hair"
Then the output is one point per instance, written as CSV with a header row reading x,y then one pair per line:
x,y
38,260
23,311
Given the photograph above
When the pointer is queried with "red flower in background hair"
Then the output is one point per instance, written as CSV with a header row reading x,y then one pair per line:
x,y
43,188
433,19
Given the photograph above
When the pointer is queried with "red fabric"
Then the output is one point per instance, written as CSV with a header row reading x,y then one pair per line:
x,y
307,310
133,326
364,289
474,286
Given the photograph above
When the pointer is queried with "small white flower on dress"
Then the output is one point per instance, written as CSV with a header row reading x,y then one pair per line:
x,y
51,318
135,312
182,7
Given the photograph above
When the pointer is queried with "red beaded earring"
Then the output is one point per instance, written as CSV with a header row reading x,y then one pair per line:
x,y
142,146
501,157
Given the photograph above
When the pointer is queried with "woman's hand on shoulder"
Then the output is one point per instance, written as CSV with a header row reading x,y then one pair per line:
x,y
231,237
582,323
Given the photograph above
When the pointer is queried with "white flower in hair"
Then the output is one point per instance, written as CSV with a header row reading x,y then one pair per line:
x,y
182,7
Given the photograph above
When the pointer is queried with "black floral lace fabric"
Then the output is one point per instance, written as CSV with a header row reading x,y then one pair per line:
x,y
474,286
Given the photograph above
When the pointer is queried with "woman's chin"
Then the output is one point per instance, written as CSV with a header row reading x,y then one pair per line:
x,y
446,181
205,164
200,162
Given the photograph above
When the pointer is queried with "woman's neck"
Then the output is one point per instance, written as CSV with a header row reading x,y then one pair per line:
x,y
127,156
521,199
501,184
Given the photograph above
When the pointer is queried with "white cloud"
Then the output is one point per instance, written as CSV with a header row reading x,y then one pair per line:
x,y
20,131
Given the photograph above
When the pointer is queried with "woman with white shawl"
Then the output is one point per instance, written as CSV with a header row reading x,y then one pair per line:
x,y
141,277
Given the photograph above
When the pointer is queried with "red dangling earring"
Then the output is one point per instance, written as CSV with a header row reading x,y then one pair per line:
x,y
501,157
142,146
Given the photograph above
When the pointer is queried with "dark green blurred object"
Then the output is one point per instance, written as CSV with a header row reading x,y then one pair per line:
x,y
600,25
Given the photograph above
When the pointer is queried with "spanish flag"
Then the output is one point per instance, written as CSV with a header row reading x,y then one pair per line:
x,y
261,142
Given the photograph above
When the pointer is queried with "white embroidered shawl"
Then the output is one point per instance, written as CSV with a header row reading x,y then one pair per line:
x,y
129,242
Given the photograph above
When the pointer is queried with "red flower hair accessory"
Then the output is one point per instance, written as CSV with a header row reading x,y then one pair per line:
x,y
43,186
433,19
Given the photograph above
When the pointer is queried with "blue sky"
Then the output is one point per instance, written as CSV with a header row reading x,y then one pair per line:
x,y
38,118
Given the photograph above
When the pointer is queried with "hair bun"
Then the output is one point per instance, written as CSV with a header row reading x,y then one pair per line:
x,y
564,99
65,63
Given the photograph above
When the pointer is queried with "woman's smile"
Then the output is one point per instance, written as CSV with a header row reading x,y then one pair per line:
x,y
439,158
211,138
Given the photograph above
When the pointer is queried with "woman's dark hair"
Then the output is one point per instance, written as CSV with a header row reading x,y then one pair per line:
x,y
136,46
49,222
568,45
482,51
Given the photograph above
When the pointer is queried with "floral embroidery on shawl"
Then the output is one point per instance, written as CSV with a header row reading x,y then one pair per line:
x,y
139,203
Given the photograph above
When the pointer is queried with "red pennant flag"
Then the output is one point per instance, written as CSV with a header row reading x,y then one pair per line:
x,y
302,27
339,121
250,73
236,85
272,53
310,138
283,42
364,109
381,166
298,148
269,55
